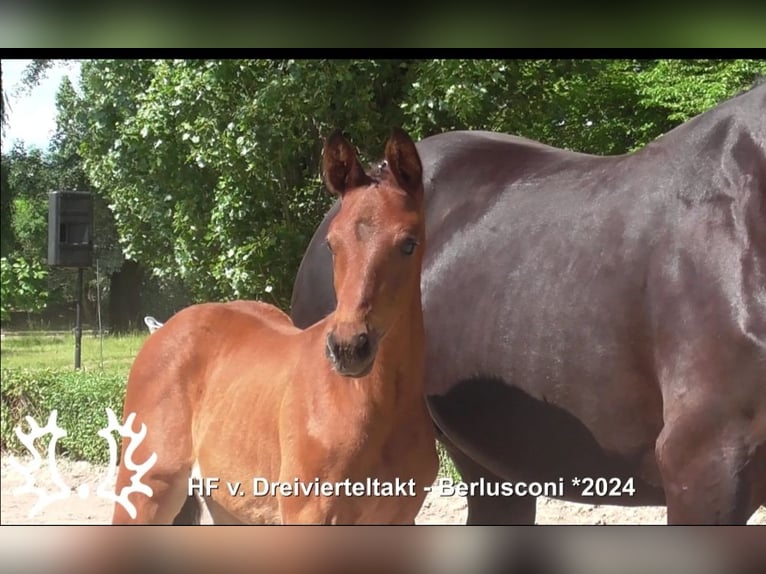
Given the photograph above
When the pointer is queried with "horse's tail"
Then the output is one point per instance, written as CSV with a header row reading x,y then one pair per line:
x,y
190,512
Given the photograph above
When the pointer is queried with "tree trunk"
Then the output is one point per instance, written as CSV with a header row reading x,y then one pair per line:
x,y
125,298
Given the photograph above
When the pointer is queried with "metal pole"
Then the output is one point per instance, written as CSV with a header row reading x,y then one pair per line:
x,y
98,307
78,324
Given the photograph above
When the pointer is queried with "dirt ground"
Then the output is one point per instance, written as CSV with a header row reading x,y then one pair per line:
x,y
82,477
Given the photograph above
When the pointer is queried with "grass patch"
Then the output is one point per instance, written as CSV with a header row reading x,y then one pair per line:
x,y
57,352
447,468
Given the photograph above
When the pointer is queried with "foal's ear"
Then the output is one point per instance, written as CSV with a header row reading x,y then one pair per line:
x,y
340,166
404,162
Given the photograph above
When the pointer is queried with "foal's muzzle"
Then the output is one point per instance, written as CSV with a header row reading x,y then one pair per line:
x,y
353,355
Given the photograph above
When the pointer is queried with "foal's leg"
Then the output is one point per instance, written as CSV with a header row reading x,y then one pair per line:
x,y
168,479
163,408
166,502
707,459
490,510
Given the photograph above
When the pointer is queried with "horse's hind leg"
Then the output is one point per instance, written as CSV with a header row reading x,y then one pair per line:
x,y
490,510
190,512
168,503
707,463
168,435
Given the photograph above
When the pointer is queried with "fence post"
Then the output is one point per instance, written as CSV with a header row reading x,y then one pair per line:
x,y
78,322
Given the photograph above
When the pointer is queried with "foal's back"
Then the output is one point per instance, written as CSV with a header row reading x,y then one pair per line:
x,y
198,337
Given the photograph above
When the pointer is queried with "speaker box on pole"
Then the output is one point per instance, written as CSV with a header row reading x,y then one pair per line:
x,y
70,229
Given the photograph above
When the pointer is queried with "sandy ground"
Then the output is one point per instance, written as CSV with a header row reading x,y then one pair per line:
x,y
82,477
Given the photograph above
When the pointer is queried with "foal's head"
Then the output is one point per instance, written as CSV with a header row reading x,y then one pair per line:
x,y
377,241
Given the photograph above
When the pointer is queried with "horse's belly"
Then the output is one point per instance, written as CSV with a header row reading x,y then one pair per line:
x,y
518,437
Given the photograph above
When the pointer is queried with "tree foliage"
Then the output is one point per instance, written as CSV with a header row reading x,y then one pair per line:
x,y
28,176
584,105
592,106
4,106
211,168
6,208
23,286
685,88
67,162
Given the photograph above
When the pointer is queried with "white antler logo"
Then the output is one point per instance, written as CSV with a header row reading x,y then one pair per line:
x,y
28,440
139,470
104,489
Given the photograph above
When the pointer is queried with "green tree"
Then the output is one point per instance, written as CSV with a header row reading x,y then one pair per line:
x,y
592,106
685,88
6,199
30,178
4,106
67,160
67,163
212,166
23,286
6,206
30,175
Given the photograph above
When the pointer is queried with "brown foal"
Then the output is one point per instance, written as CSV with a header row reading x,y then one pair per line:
x,y
234,391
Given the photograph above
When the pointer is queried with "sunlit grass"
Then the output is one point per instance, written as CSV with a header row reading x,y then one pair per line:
x,y
446,466
55,351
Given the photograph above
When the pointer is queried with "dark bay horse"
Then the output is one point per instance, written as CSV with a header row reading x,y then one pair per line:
x,y
235,392
597,318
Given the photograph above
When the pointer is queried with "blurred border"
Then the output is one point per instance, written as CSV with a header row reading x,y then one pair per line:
x,y
390,550
44,25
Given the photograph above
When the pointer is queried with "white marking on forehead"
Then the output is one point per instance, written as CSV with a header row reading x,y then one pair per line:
x,y
364,229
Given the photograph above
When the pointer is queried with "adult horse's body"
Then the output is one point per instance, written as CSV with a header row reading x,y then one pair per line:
x,y
599,317
334,415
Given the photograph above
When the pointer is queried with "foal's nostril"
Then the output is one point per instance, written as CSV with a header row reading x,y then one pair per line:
x,y
332,349
350,355
362,345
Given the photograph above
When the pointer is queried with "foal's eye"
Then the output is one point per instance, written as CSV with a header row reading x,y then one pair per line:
x,y
327,244
408,246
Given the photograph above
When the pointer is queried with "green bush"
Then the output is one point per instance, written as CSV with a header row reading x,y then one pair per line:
x,y
81,399
22,286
